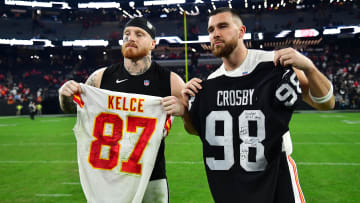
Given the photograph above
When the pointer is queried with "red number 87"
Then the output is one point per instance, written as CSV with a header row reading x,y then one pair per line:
x,y
132,165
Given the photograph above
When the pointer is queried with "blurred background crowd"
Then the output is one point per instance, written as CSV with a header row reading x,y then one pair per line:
x,y
35,73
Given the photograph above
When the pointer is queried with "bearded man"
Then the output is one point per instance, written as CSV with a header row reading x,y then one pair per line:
x,y
138,74
242,112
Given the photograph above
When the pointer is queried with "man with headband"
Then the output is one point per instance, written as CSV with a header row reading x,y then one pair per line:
x,y
137,74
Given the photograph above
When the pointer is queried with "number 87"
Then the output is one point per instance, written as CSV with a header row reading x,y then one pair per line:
x,y
132,165
226,141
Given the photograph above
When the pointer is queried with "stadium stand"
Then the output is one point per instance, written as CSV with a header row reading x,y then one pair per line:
x,y
34,73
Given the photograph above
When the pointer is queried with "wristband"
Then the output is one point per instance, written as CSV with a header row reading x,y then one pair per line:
x,y
321,100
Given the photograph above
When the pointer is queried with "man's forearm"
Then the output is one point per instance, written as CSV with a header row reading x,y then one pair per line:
x,y
319,87
188,124
66,104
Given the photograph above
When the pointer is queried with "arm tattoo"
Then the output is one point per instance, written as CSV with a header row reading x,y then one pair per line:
x,y
91,80
68,105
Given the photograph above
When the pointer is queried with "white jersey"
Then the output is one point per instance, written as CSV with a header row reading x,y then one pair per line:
x,y
118,136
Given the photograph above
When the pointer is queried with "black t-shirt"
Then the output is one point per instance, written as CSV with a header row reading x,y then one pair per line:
x,y
241,121
154,82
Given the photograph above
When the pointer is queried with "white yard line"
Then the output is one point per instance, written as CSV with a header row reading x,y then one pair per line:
x,y
351,122
332,116
327,143
71,183
8,125
184,162
53,195
327,164
39,143
38,162
170,143
50,120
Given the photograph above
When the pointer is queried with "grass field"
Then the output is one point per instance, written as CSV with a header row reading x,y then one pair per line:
x,y
38,160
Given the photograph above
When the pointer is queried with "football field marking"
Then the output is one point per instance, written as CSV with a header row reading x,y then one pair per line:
x,y
53,195
32,144
71,183
327,164
331,116
50,120
170,143
302,143
350,122
178,162
327,143
297,163
38,162
8,125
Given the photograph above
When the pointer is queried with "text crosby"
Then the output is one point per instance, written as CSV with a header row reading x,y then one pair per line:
x,y
235,97
125,104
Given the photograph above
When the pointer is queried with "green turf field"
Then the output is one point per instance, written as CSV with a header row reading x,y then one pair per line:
x,y
38,160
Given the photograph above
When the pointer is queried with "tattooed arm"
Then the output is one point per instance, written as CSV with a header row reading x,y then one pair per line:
x,y
68,89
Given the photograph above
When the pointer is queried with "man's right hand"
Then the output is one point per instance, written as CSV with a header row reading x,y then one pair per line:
x,y
66,92
69,88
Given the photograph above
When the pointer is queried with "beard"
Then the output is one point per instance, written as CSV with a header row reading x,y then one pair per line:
x,y
226,49
134,53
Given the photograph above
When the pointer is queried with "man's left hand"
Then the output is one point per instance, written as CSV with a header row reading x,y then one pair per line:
x,y
173,106
291,57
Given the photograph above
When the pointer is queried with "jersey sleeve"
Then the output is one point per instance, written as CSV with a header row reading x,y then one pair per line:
x,y
288,91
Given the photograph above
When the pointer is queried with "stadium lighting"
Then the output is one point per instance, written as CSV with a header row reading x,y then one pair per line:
x,y
180,8
98,5
163,2
84,43
127,14
229,2
283,34
196,12
201,39
139,13
50,4
213,5
166,10
332,31
131,4
28,3
12,42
